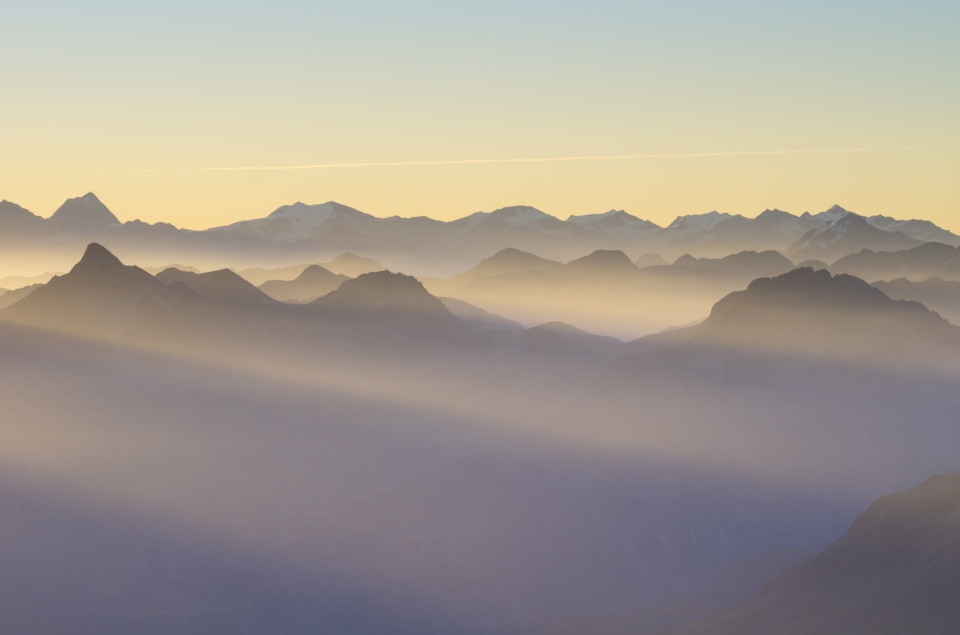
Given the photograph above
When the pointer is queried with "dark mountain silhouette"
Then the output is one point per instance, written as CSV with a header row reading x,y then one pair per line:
x,y
99,296
810,313
224,285
313,282
384,291
895,571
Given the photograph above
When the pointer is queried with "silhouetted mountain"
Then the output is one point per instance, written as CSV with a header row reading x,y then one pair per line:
x,y
99,296
922,230
750,263
895,571
313,282
291,223
847,234
83,212
304,233
510,260
603,262
352,265
224,285
813,313
384,291
917,263
16,223
13,296
942,296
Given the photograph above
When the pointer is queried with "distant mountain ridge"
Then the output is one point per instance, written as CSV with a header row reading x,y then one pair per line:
x,y
415,244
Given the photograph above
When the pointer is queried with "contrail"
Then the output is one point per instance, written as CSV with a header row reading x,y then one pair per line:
x,y
615,157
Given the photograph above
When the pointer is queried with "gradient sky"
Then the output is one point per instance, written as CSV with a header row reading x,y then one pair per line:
x,y
94,93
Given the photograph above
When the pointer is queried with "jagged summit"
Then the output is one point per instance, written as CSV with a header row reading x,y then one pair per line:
x,y
698,222
96,258
84,211
848,233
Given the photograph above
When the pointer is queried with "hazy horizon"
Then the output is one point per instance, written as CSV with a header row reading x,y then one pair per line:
x,y
733,108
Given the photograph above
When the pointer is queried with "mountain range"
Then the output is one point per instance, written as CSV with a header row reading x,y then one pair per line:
x,y
425,246
185,453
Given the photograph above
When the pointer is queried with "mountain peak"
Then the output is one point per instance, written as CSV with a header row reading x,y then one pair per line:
x,y
97,258
604,261
84,211
380,290
303,210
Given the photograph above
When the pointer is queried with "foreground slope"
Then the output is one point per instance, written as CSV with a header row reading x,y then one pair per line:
x,y
897,570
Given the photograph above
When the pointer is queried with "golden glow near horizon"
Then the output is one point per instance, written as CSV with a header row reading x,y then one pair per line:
x,y
439,110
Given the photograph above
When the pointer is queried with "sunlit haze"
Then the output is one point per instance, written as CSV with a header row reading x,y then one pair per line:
x,y
542,317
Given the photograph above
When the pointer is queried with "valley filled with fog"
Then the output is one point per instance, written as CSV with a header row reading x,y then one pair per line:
x,y
321,421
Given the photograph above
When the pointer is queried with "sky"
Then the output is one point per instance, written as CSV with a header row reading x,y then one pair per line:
x,y
424,108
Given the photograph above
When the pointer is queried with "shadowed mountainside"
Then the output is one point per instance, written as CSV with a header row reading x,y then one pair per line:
x,y
896,570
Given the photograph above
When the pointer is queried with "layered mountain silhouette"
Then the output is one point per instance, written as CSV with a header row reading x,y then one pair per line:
x,y
813,313
942,296
372,461
603,262
312,233
383,291
917,263
313,282
97,297
219,285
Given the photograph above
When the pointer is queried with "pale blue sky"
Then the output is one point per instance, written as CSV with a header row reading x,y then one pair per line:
x,y
92,89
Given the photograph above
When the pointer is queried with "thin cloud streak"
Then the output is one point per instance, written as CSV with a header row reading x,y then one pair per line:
x,y
621,157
